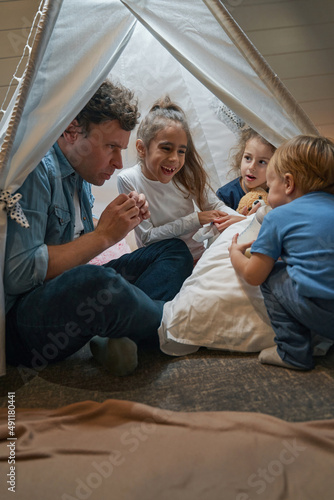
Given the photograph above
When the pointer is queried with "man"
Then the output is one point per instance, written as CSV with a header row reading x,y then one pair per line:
x,y
55,303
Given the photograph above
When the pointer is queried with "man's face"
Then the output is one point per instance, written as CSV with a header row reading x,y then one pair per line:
x,y
96,155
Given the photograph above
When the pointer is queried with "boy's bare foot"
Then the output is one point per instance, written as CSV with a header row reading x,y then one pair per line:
x,y
270,356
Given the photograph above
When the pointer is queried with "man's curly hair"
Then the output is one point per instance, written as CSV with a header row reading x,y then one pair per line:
x,y
110,102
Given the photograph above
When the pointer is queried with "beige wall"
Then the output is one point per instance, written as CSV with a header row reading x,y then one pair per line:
x,y
296,37
16,17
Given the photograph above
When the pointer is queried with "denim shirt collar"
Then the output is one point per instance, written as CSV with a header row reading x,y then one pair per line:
x,y
65,167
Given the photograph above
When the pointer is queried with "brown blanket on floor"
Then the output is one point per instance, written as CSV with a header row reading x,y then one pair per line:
x,y
121,450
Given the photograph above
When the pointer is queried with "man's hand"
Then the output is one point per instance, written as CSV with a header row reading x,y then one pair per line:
x,y
142,204
118,219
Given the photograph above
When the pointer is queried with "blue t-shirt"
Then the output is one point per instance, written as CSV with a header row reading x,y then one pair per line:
x,y
231,193
302,234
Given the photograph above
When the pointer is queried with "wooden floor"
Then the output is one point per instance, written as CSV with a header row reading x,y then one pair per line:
x,y
205,381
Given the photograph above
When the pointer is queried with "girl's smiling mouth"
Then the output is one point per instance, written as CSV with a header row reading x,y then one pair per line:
x,y
167,170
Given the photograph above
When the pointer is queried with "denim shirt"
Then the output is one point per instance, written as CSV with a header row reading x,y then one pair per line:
x,y
47,201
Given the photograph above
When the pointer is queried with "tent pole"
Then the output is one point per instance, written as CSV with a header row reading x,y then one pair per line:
x,y
261,67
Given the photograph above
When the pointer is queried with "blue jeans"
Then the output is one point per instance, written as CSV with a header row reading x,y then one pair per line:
x,y
123,298
295,318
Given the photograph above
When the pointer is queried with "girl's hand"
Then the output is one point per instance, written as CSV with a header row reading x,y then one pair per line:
x,y
245,210
210,216
224,222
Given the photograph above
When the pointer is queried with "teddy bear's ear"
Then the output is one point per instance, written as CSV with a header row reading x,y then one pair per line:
x,y
246,202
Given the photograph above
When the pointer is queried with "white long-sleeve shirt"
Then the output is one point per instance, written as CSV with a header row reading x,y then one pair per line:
x,y
173,213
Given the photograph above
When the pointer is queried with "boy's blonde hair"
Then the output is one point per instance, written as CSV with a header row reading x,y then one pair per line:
x,y
310,159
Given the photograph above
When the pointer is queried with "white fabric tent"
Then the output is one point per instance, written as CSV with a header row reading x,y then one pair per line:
x,y
193,50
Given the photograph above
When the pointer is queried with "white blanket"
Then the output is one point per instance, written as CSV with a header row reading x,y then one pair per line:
x,y
215,308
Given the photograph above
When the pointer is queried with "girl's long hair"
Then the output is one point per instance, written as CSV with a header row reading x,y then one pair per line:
x,y
192,178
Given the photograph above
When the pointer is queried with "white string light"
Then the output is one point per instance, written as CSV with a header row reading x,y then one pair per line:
x,y
27,48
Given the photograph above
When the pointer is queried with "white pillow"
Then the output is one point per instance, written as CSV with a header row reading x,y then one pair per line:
x,y
215,308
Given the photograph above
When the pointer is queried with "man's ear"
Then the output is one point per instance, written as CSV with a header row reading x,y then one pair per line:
x,y
141,150
71,133
289,182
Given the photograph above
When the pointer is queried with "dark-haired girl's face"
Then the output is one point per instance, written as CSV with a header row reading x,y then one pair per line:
x,y
165,155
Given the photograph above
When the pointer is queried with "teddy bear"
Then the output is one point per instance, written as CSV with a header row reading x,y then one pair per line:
x,y
250,199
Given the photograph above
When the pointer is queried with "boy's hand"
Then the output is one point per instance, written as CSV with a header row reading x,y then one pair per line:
x,y
253,270
239,247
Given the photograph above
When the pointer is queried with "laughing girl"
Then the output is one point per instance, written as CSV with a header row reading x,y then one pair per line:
x,y
170,173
